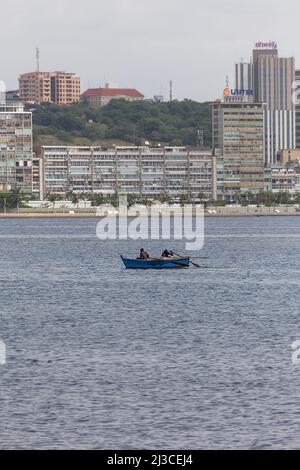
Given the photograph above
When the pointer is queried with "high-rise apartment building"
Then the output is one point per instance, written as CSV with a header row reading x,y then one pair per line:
x,y
266,49
238,136
297,106
273,86
37,177
49,87
275,81
15,147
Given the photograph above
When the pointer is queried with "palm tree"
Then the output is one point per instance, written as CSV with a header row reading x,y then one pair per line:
x,y
83,196
202,196
15,198
98,199
113,199
237,196
183,199
132,199
164,198
69,195
75,199
53,198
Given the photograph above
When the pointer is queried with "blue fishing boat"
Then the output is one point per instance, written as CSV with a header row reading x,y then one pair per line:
x,y
156,263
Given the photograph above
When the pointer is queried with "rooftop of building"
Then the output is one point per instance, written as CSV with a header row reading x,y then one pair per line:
x,y
132,92
57,72
236,104
129,148
13,107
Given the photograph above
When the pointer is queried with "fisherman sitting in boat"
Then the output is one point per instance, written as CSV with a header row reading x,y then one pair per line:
x,y
143,254
167,253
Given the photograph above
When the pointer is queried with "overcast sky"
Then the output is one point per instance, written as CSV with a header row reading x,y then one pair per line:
x,y
144,43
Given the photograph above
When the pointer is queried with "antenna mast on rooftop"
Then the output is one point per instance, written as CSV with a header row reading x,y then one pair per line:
x,y
37,54
171,90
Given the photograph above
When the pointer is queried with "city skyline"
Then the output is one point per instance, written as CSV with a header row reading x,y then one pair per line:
x,y
143,46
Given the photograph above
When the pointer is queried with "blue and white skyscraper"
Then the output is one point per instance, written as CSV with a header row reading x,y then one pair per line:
x,y
273,79
297,102
244,75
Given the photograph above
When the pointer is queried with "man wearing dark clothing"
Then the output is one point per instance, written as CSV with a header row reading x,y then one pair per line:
x,y
167,253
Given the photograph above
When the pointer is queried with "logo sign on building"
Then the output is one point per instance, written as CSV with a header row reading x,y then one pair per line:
x,y
241,92
237,92
266,45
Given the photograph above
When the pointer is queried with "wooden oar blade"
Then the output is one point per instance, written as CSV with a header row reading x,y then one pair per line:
x,y
195,264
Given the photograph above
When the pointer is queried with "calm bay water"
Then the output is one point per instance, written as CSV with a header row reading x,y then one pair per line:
x,y
100,357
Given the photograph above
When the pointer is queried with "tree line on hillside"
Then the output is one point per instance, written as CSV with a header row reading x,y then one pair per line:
x,y
171,123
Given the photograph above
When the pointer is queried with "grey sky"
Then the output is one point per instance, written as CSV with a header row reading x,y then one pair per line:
x,y
144,43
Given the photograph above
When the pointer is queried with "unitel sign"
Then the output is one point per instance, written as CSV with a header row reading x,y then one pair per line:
x,y
237,92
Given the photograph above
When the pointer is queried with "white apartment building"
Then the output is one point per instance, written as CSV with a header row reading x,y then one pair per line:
x,y
15,147
149,172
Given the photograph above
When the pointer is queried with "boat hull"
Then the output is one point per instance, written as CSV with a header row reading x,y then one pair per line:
x,y
156,263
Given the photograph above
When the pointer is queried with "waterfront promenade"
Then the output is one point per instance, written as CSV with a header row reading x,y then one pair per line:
x,y
227,211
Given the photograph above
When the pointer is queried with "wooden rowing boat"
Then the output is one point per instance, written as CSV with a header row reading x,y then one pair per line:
x,y
156,263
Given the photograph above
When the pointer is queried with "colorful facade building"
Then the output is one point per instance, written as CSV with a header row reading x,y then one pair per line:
x,y
50,87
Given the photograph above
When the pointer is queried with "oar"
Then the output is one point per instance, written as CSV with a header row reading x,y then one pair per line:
x,y
195,264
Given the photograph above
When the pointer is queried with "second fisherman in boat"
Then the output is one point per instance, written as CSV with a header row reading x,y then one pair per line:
x,y
167,253
143,254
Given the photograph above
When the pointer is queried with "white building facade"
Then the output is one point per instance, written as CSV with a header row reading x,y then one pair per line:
x,y
15,147
149,172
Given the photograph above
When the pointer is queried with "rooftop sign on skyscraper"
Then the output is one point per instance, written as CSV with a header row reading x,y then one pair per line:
x,y
266,45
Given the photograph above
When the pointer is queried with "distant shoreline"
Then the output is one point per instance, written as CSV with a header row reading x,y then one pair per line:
x,y
227,213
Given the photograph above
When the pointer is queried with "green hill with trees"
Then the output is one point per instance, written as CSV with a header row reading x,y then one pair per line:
x,y
122,122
